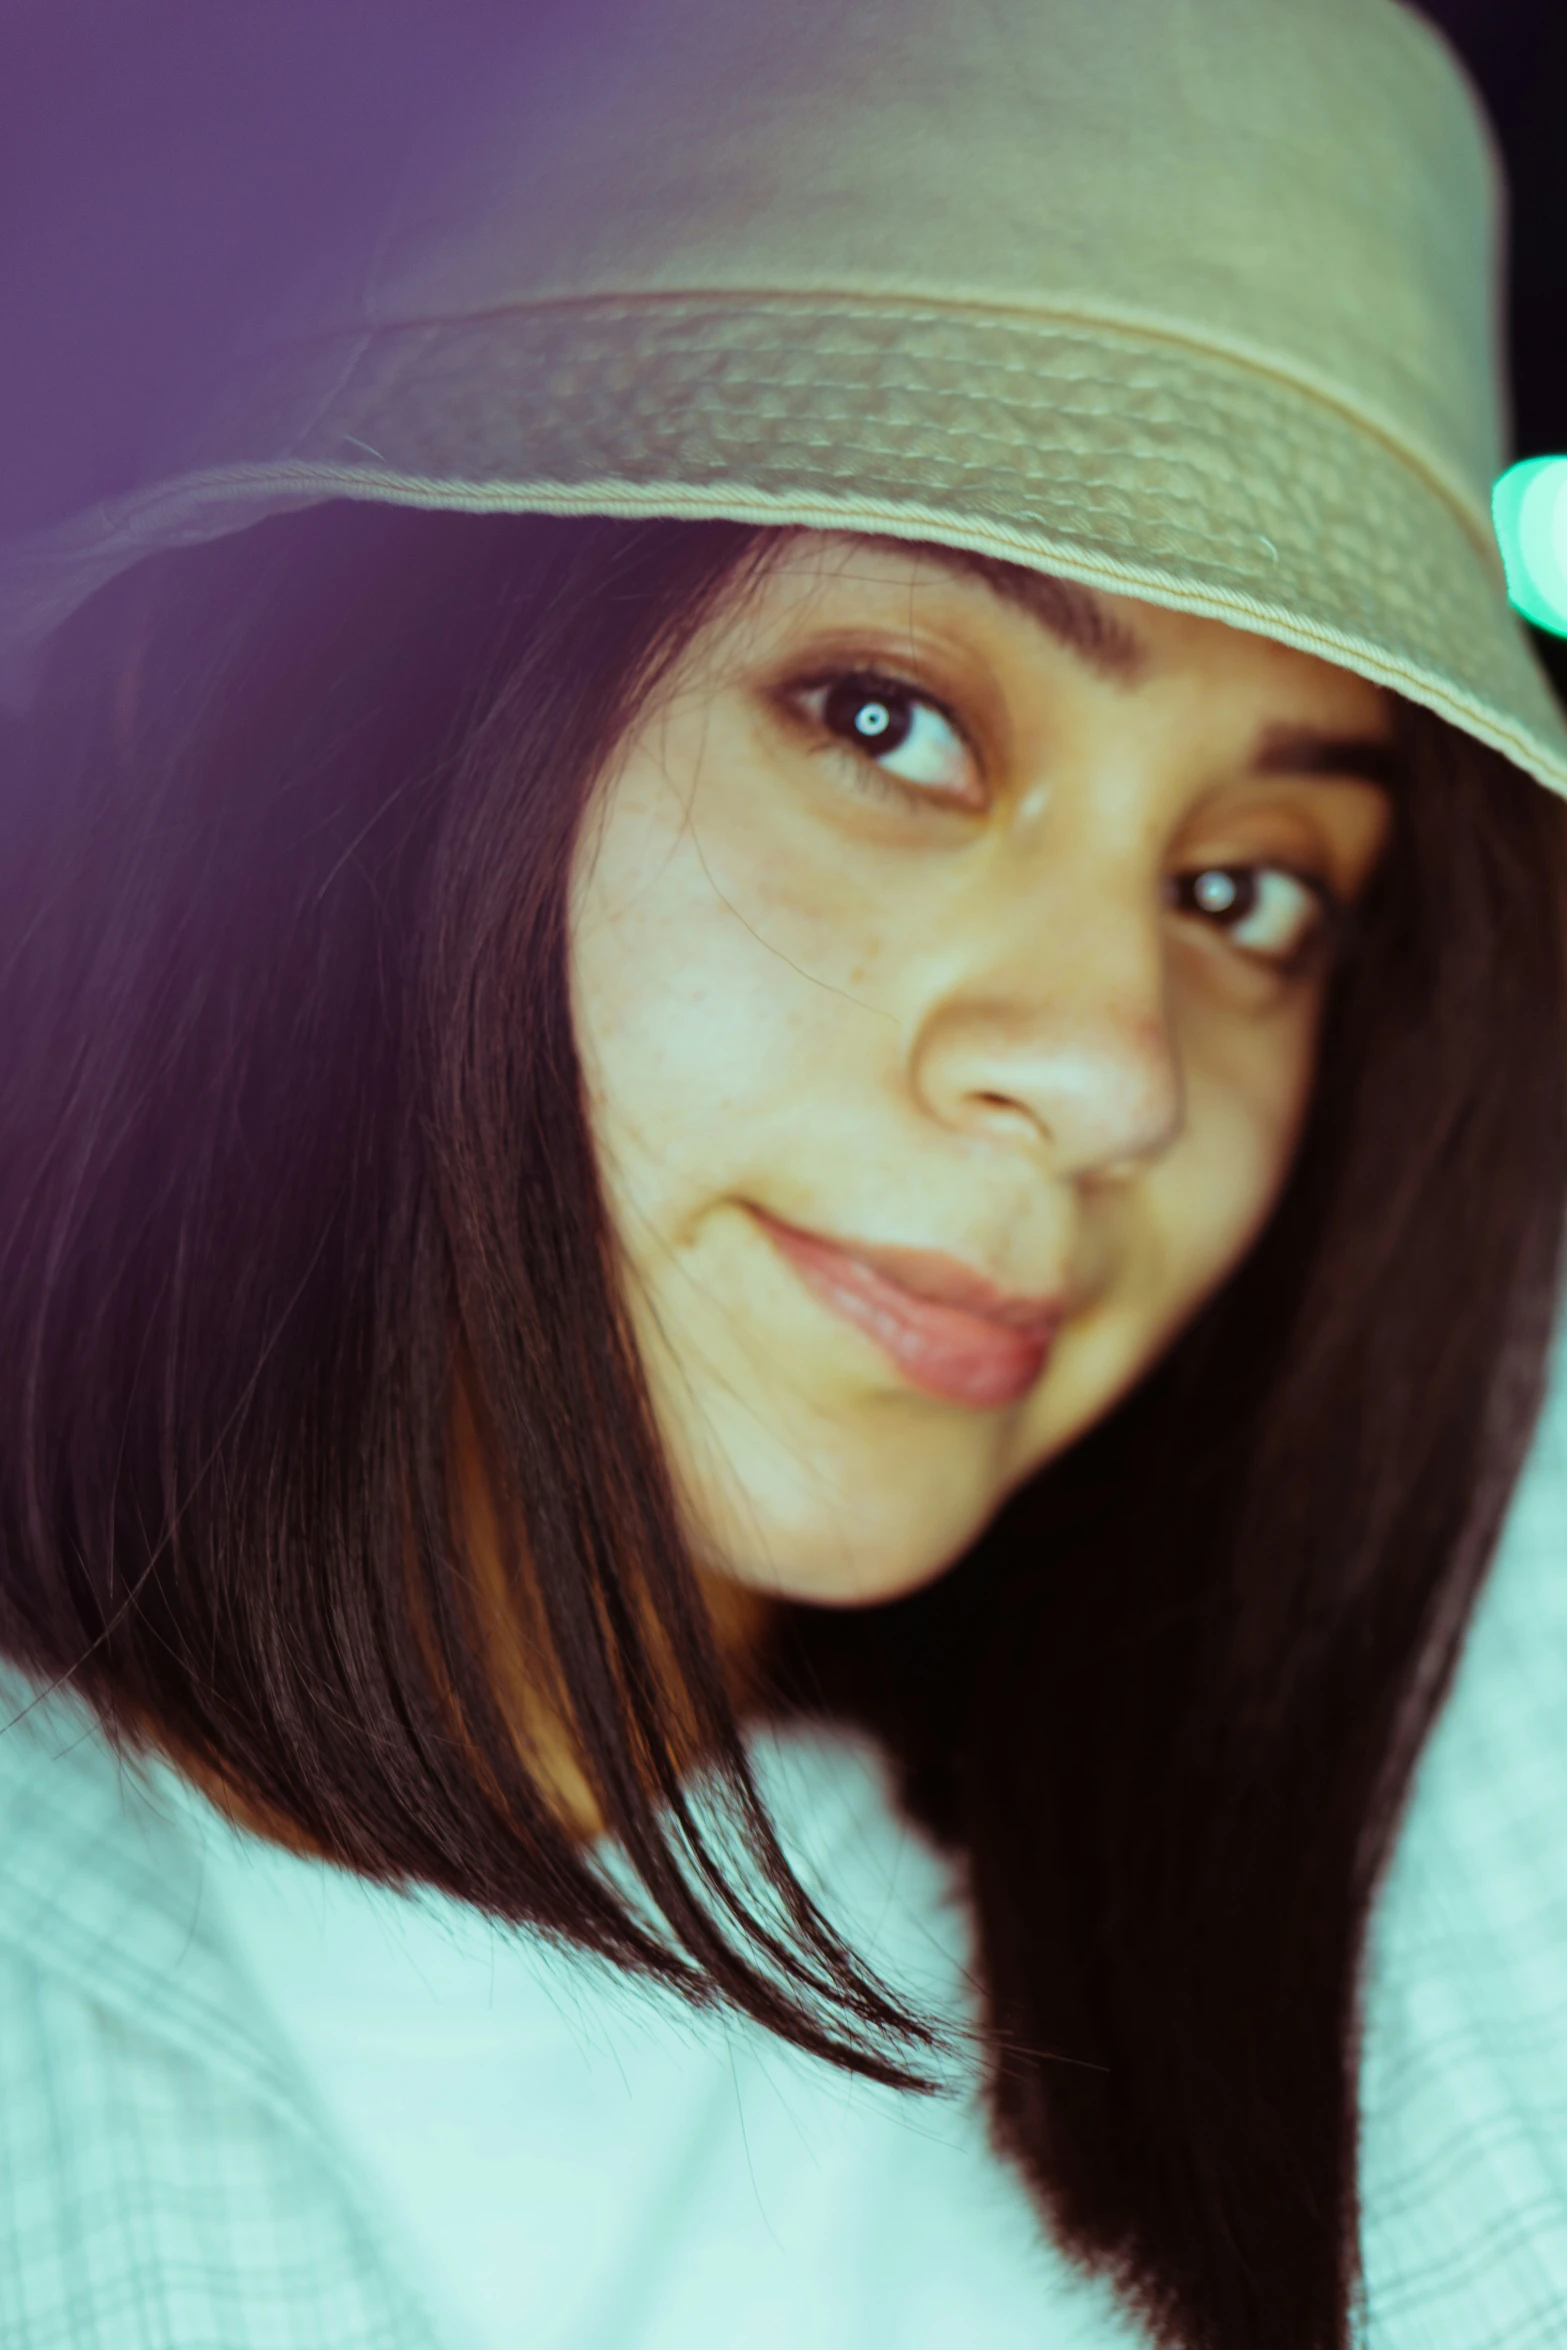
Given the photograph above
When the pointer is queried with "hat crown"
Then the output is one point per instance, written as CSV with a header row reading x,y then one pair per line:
x,y
1194,300
1308,184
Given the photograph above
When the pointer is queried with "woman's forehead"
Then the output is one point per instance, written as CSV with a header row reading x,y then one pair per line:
x,y
1119,641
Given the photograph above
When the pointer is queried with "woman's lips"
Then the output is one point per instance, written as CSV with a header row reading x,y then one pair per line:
x,y
948,1330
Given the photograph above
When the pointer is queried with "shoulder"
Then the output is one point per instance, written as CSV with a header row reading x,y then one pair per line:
x,y
162,2181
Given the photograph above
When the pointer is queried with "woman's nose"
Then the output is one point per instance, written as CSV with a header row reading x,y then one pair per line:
x,y
1062,1030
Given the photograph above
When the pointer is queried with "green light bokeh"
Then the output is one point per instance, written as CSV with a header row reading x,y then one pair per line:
x,y
1529,508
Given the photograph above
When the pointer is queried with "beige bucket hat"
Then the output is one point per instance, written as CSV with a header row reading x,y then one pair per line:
x,y
1196,300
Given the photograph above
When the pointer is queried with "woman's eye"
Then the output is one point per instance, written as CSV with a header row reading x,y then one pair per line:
x,y
898,730
1260,908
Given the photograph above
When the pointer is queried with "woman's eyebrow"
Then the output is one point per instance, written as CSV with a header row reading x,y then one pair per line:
x,y
1079,619
1073,614
1305,750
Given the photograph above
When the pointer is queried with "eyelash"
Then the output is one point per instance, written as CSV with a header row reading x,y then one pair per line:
x,y
871,686
1325,930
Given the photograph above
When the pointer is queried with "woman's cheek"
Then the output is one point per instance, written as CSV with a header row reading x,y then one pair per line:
x,y
1247,1092
698,1030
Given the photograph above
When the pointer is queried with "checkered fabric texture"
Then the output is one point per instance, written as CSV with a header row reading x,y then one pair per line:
x,y
1464,2079
166,2182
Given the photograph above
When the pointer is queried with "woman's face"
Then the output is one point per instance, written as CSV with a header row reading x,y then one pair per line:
x,y
949,947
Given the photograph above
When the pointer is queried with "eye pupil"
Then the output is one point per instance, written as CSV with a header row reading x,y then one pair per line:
x,y
1220,891
868,713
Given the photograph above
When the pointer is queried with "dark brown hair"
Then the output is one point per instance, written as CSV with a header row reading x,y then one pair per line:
x,y
293,1156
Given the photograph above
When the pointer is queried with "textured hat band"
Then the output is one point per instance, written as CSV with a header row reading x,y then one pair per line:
x,y
1128,459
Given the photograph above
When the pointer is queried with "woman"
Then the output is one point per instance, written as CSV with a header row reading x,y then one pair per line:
x,y
853,1063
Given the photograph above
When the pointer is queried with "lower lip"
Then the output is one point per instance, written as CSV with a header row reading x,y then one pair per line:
x,y
959,1356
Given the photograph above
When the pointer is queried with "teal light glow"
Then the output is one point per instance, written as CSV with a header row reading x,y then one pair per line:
x,y
1529,508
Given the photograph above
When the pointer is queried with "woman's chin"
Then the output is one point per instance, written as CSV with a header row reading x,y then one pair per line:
x,y
836,1526
815,1570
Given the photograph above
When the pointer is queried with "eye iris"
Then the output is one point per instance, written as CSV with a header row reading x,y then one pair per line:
x,y
868,714
1221,892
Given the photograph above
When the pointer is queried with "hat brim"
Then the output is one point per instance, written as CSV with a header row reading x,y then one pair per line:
x,y
1129,460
